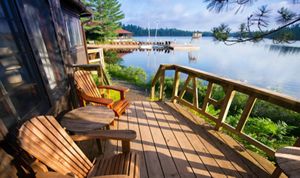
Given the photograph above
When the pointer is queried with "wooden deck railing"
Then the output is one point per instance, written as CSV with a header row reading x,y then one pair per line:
x,y
230,88
96,56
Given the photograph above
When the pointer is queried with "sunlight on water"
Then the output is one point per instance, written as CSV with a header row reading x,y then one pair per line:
x,y
264,64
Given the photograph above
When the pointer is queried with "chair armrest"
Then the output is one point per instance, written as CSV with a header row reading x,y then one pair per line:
x,y
124,135
51,175
117,88
122,90
103,101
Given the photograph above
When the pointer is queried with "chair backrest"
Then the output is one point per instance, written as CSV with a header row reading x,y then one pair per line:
x,y
85,83
46,140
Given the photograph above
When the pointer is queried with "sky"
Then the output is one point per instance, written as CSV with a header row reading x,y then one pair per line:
x,y
192,14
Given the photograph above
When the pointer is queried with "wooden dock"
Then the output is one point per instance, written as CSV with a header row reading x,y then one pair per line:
x,y
174,143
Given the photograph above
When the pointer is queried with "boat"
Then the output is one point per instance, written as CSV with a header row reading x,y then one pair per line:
x,y
197,35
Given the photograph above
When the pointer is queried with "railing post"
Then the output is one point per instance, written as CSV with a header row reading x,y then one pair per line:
x,y
246,112
152,95
175,86
195,92
162,85
225,106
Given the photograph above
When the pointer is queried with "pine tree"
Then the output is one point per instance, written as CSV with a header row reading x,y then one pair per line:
x,y
107,17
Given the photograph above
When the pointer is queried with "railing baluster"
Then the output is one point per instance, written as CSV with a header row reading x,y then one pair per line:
x,y
225,106
182,92
175,86
195,92
207,96
246,112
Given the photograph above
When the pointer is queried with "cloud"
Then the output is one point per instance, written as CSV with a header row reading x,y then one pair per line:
x,y
190,15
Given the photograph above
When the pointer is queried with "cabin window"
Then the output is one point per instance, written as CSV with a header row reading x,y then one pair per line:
x,y
73,26
21,89
41,33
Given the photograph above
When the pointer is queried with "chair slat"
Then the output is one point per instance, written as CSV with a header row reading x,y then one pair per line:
x,y
33,135
31,147
85,82
71,142
46,140
53,141
65,139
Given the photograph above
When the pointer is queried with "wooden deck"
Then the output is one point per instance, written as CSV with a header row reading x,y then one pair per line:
x,y
172,145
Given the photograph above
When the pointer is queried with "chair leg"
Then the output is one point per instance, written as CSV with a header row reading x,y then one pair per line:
x,y
112,123
98,141
276,173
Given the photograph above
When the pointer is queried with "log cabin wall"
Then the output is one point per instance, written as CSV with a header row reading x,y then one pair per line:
x,y
38,45
37,50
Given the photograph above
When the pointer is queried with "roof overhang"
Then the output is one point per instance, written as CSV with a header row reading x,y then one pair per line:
x,y
77,6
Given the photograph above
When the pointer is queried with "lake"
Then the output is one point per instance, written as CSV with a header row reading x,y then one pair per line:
x,y
263,64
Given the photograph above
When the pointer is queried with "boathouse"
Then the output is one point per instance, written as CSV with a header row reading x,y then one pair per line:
x,y
123,34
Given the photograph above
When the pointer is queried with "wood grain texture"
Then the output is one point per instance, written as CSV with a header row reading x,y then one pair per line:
x,y
89,93
171,145
88,118
46,140
288,159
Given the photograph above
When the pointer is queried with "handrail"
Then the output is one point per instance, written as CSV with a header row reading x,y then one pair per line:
x,y
230,87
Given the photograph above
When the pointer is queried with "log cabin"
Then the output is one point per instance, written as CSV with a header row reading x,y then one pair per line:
x,y
39,41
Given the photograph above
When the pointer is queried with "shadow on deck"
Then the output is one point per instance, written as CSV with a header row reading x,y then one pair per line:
x,y
174,143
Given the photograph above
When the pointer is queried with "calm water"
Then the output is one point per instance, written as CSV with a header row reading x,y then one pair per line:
x,y
266,65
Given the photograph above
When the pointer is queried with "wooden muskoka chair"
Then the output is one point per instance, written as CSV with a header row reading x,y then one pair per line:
x,y
49,143
89,92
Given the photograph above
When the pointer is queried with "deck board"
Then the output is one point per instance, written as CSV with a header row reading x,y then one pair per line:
x,y
171,145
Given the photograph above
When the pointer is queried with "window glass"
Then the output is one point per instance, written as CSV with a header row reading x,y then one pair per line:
x,y
73,30
21,91
1,12
43,37
7,44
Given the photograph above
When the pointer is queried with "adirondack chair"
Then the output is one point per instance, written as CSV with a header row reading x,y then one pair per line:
x,y
48,142
89,92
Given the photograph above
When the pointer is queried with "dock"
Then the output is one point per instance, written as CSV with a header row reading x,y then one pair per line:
x,y
167,45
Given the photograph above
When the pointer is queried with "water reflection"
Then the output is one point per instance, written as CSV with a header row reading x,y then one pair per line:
x,y
252,63
193,56
284,50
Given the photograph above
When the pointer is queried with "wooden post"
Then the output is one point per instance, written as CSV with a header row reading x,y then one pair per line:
x,y
225,106
100,75
207,96
162,85
152,94
175,86
195,92
125,146
246,112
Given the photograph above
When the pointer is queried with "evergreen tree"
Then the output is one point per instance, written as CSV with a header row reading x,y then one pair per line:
x,y
107,17
256,26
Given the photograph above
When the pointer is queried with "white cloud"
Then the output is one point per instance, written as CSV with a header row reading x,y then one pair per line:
x,y
190,15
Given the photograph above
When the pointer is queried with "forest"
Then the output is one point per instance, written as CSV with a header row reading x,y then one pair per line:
x,y
140,31
293,32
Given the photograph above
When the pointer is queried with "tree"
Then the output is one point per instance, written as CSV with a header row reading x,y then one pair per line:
x,y
256,26
107,17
